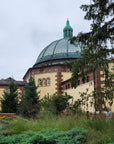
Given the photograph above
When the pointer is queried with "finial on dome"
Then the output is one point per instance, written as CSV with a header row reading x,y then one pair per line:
x,y
68,31
67,22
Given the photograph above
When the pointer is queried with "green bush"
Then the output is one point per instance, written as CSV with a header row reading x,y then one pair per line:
x,y
61,102
74,136
47,104
55,103
4,121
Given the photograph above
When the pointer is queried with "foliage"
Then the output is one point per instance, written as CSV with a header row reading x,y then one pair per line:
x,y
108,90
56,103
4,121
99,131
95,48
47,104
100,13
75,108
9,101
29,105
2,117
61,102
46,137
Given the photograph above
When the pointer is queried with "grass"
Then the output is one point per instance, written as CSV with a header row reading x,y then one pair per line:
x,y
100,131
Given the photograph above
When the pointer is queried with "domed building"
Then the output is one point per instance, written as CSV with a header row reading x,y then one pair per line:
x,y
52,75
60,50
50,71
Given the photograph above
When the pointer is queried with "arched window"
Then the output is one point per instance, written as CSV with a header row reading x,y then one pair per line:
x,y
44,82
48,81
40,82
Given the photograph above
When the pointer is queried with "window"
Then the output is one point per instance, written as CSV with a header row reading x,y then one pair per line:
x,y
44,82
48,81
6,90
68,86
78,82
40,82
87,78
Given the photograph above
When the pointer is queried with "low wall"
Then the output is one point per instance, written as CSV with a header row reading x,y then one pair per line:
x,y
12,115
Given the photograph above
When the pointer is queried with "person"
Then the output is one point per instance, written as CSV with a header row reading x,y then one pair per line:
x,y
110,113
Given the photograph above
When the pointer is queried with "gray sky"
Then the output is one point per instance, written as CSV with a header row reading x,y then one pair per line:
x,y
28,26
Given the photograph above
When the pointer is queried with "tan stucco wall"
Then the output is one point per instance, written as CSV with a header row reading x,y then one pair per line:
x,y
66,75
44,90
1,93
81,88
111,69
111,66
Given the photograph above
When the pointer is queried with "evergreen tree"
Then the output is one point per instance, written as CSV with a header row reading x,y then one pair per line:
x,y
29,106
9,101
95,51
101,13
31,91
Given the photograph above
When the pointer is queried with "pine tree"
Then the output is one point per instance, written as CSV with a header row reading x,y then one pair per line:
x,y
31,91
29,106
101,13
9,101
95,48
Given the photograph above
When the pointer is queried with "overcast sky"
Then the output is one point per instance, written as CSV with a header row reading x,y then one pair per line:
x,y
28,26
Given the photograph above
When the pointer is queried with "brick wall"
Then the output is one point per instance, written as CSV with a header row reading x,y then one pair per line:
x,y
12,115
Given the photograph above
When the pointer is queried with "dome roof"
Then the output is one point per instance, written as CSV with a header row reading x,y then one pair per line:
x,y
59,50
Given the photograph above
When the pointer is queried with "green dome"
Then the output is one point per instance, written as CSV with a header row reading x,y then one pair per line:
x,y
59,51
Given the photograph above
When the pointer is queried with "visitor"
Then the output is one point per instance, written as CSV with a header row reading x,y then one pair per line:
x,y
108,114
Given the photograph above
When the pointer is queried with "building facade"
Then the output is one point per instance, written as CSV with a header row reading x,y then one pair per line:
x,y
53,76
50,70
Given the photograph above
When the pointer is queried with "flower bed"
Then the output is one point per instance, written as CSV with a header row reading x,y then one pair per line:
x,y
3,117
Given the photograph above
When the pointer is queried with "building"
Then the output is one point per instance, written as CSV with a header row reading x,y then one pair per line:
x,y
52,75
4,86
49,71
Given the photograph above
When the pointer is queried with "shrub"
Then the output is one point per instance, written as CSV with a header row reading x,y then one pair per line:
x,y
75,136
47,104
55,103
61,102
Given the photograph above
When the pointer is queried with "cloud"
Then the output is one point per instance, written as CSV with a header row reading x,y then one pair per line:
x,y
27,26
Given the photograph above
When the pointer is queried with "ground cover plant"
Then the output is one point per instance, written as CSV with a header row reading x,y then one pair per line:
x,y
47,127
46,137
